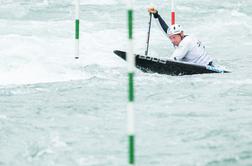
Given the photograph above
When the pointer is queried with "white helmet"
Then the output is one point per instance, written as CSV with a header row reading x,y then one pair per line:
x,y
174,29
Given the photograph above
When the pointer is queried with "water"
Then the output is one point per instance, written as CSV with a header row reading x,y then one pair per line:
x,y
57,111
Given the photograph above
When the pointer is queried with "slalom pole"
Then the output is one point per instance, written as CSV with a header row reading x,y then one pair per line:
x,y
77,28
131,65
148,37
172,13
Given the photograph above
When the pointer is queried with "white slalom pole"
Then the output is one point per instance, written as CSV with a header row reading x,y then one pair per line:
x,y
77,28
131,65
172,13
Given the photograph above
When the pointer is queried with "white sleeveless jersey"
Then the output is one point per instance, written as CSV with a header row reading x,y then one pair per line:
x,y
191,50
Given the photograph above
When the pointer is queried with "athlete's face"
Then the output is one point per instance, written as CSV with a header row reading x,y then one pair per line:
x,y
175,39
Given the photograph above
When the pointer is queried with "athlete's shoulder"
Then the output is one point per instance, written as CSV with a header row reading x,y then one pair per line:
x,y
189,40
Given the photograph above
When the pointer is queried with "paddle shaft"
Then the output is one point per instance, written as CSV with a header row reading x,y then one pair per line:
x,y
148,37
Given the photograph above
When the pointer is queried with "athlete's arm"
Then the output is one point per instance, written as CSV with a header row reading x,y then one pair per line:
x,y
154,11
161,21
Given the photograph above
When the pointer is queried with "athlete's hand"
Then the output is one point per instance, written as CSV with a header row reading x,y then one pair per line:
x,y
152,10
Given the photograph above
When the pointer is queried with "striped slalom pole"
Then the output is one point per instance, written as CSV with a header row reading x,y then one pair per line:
x,y
131,65
77,28
172,13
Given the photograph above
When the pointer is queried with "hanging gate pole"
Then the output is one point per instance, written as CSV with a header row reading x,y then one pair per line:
x,y
172,13
77,28
131,65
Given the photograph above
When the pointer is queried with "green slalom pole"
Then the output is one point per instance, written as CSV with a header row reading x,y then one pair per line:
x,y
131,65
77,28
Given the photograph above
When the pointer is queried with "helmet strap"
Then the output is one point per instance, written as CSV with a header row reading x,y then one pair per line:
x,y
182,37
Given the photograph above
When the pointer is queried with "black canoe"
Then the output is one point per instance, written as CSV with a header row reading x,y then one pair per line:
x,y
163,66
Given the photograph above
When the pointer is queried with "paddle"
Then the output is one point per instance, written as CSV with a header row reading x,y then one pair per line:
x,y
148,37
